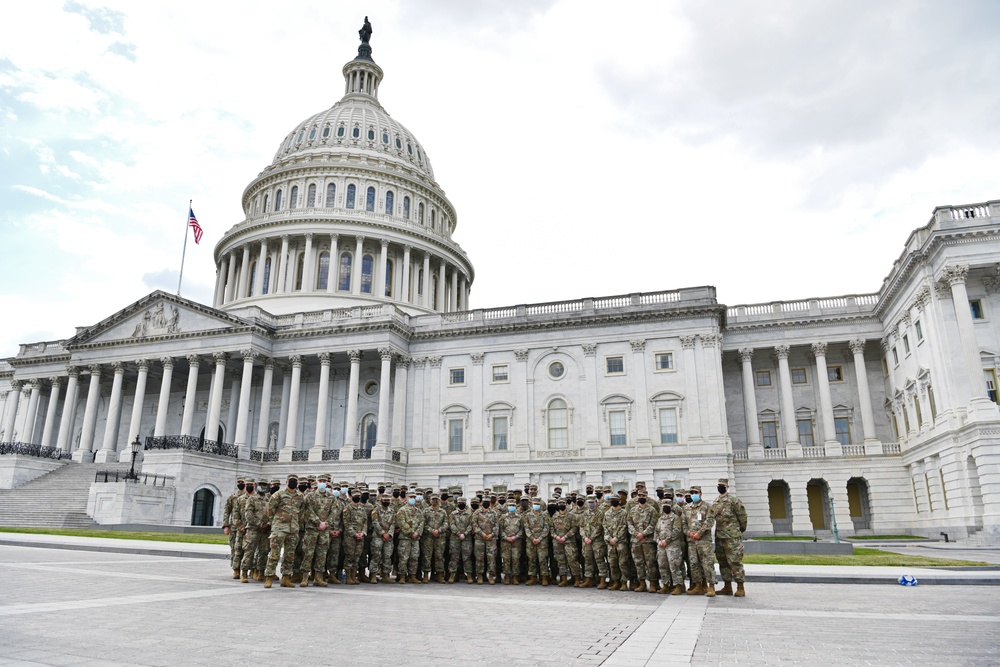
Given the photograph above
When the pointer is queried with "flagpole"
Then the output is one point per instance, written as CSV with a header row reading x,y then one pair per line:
x,y
187,223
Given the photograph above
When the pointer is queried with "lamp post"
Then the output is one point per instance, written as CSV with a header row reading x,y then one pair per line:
x,y
833,513
130,475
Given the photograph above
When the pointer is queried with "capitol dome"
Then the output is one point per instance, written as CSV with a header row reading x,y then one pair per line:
x,y
347,214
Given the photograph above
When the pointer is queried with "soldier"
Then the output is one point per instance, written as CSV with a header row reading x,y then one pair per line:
x,y
248,517
485,525
730,524
235,540
460,540
564,532
355,520
283,513
698,523
512,533
681,498
304,489
616,535
641,524
383,523
595,564
318,511
670,552
336,525
434,539
263,546
536,532
410,523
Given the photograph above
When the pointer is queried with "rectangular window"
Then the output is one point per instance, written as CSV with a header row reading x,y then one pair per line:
x,y
456,376
906,419
455,435
501,373
895,357
976,306
763,378
615,365
917,411
616,422
906,344
991,384
500,433
930,401
919,329
835,373
806,433
798,376
665,361
843,430
668,425
769,434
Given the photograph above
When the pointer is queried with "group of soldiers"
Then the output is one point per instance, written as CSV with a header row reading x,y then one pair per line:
x,y
334,533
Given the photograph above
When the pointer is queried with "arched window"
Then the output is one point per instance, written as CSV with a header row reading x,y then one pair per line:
x,y
385,138
311,195
340,131
356,132
267,276
388,277
312,134
370,199
388,202
433,219
265,203
255,203
557,418
370,430
406,207
299,266
293,201
323,277
371,134
420,282
203,509
351,192
253,277
326,131
420,212
331,194
277,201
344,280
367,264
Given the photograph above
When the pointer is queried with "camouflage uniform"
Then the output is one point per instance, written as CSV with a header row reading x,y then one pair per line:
x,y
670,552
485,526
252,518
730,523
283,513
698,523
642,521
410,522
432,546
355,520
592,543
460,541
512,537
616,535
316,542
536,527
564,532
333,554
235,540
383,522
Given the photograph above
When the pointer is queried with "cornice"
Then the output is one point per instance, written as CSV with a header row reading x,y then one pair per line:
x,y
803,323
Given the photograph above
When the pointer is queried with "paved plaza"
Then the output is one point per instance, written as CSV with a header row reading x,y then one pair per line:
x,y
65,607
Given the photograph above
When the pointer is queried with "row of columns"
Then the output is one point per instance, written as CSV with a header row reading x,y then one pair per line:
x,y
452,285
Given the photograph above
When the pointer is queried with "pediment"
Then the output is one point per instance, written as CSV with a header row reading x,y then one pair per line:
x,y
157,316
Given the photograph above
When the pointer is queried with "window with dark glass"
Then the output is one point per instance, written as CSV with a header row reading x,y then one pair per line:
x,y
367,263
399,144
371,135
344,272
976,306
388,202
844,430
311,195
299,266
433,219
356,132
420,213
326,131
385,137
323,275
331,194
388,277
277,201
769,434
615,365
340,131
253,277
370,199
351,193
298,139
267,275
293,201
312,134
406,207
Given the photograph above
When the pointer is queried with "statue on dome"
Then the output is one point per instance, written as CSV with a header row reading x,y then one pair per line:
x,y
365,32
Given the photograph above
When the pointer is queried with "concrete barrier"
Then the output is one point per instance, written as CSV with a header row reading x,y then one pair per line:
x,y
798,547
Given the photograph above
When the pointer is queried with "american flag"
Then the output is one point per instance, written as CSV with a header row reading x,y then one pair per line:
x,y
193,223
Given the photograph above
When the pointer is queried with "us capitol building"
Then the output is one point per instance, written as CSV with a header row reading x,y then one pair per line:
x,y
341,339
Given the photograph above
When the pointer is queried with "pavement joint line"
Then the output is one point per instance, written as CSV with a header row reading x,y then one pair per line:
x,y
975,618
491,599
135,551
74,605
670,632
103,573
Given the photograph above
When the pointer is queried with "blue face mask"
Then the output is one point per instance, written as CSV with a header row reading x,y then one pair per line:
x,y
336,493
420,498
536,507
695,497
512,509
321,486
412,501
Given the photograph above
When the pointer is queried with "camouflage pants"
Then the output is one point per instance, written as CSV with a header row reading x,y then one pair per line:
x,y
486,551
566,557
263,549
315,544
333,556
235,547
702,560
644,557
510,555
671,561
618,560
729,553
595,559
282,539
381,553
251,546
433,552
463,547
299,552
538,557
352,554
408,557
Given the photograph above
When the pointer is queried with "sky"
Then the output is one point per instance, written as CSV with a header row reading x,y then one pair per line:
x,y
777,149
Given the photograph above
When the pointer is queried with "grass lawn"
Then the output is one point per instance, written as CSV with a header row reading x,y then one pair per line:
x,y
192,538
861,556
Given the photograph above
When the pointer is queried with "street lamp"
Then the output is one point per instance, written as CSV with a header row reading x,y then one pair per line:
x,y
833,512
136,446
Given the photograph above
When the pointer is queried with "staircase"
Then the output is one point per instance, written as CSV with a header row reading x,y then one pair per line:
x,y
55,500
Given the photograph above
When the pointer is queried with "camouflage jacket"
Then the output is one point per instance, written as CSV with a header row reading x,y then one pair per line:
x,y
355,519
730,516
669,528
563,525
642,519
227,511
284,510
436,519
318,509
536,525
592,524
485,522
460,521
409,520
512,525
383,521
616,524
336,519
242,516
698,518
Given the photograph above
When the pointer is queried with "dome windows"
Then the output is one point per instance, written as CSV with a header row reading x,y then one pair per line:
x,y
331,195
326,131
344,272
311,196
406,208
323,276
340,131
298,139
385,138
409,148
277,201
352,191
367,266
294,199
312,134
371,134
388,202
370,199
356,132
399,144
433,219
420,213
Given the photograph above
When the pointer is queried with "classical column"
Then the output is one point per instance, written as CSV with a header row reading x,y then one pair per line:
x,y
435,428
462,302
383,263
307,266
477,434
322,405
220,281
865,397
356,265
793,449
234,399
398,437
215,399
31,416
264,415
258,280
243,408
244,272
135,423
83,454
286,392
641,404
50,413
230,290
591,436
425,301
521,378
292,429
282,266
351,422
333,276
442,276
160,428
975,388
404,292
692,420
384,394
190,395
825,401
754,449
108,445
64,439
453,297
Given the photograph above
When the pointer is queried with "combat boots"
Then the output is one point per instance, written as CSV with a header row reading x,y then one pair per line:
x,y
286,581
243,577
697,589
236,574
516,582
492,581
545,581
531,581
297,578
413,580
579,583
664,590
401,579
562,581
305,581
427,577
507,579
451,579
641,588
693,585
479,580
739,590
587,583
678,590
335,578
602,585
615,585
710,590
268,581
373,579
727,589
440,578
318,580
258,575
469,579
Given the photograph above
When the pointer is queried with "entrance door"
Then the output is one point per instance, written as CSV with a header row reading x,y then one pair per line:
x,y
203,509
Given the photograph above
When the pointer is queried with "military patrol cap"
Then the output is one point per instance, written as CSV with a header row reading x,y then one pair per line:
x,y
681,492
623,492
463,499
291,477
591,496
695,489
434,496
553,501
642,493
386,496
323,478
668,491
263,482
275,481
512,503
723,480
640,485
240,479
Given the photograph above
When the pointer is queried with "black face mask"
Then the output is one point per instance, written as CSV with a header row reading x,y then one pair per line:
x,y
642,501
356,499
395,494
385,503
722,489
294,484
303,487
275,488
250,489
659,494
579,503
666,509
599,495
461,506
475,506
381,490
687,499
364,497
615,502
486,504
444,498
560,507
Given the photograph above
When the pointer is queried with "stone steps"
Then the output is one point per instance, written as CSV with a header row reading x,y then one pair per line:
x,y
55,500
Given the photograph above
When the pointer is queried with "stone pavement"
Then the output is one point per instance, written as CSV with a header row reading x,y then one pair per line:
x,y
89,608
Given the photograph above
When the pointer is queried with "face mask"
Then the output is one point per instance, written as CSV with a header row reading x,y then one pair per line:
x,y
560,507
381,490
536,507
411,501
336,493
722,489
420,498
240,486
461,506
250,489
475,506
695,497
293,485
579,503
687,498
303,487
591,505
599,495
551,507
344,490
364,497
275,489
486,504
385,503
356,499
642,501
321,486
614,502
395,494
666,509
511,509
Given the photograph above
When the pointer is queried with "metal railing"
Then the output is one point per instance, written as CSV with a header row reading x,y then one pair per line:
x,y
104,476
300,455
28,449
193,444
362,454
397,455
331,454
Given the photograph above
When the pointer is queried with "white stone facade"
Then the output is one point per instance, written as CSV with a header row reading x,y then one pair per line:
x,y
877,410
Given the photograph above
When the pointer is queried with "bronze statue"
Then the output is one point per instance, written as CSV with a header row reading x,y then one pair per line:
x,y
365,32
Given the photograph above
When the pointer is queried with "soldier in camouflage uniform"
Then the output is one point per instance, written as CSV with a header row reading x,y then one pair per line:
x,y
511,536
485,526
283,513
318,509
460,540
730,524
434,539
383,525
641,524
669,541
336,529
591,521
235,540
536,533
410,523
564,532
616,536
698,524
355,520
250,518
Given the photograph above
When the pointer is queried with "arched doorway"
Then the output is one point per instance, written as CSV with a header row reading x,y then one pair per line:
x,y
818,492
203,508
779,502
370,432
220,437
859,503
